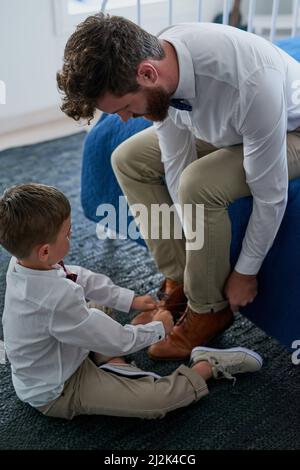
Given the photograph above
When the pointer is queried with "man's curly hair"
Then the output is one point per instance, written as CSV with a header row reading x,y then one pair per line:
x,y
102,56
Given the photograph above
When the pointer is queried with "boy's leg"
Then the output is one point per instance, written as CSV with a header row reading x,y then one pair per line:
x,y
93,390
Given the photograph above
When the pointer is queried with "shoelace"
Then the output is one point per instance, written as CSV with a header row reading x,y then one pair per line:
x,y
161,295
186,318
220,369
181,319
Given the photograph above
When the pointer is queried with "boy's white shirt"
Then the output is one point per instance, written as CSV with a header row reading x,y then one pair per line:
x,y
49,330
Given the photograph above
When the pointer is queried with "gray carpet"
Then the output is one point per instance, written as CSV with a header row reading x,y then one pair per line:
x,y
260,412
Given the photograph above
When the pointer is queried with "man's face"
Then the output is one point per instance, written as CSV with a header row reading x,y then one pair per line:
x,y
151,103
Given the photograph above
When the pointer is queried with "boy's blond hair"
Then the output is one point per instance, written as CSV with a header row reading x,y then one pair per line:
x,y
31,215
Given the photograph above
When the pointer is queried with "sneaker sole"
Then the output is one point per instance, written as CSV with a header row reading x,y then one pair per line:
x,y
251,353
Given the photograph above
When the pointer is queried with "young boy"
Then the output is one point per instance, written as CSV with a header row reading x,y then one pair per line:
x,y
49,330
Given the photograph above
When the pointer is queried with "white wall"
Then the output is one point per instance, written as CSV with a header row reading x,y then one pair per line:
x,y
31,53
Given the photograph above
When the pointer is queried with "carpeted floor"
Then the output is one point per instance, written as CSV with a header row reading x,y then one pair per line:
x,y
262,410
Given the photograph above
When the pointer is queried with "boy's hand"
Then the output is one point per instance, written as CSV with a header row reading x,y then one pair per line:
x,y
167,319
143,302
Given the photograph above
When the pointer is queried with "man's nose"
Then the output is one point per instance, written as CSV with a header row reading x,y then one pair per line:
x,y
125,115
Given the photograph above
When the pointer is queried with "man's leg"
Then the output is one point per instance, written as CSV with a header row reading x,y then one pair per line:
x,y
139,170
215,180
140,173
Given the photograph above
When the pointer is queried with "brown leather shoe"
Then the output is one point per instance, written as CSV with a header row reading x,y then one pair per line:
x,y
171,298
193,329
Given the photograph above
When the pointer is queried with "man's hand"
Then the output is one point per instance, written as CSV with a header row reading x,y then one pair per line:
x,y
143,302
167,319
240,290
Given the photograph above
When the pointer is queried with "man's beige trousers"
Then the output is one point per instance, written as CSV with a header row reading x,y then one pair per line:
x,y
215,179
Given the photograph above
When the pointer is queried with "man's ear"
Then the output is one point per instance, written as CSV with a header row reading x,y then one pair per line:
x,y
43,252
146,74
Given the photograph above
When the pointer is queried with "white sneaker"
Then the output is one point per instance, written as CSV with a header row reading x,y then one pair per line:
x,y
227,362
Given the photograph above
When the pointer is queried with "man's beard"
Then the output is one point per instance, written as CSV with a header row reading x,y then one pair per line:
x,y
158,102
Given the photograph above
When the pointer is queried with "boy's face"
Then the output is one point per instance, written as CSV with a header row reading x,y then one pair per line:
x,y
59,249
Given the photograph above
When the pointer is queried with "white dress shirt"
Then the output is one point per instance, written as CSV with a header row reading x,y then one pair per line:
x,y
242,91
49,330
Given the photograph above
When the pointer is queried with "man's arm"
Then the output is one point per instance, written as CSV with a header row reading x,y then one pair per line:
x,y
264,129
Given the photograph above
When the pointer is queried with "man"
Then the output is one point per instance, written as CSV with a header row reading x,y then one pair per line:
x,y
237,134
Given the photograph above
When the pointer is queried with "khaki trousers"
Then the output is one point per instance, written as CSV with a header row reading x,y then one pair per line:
x,y
216,179
92,390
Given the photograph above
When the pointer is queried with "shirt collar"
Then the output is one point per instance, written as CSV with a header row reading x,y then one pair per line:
x,y
56,271
186,85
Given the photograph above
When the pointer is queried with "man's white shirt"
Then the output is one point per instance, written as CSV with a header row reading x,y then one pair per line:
x,y
241,88
49,330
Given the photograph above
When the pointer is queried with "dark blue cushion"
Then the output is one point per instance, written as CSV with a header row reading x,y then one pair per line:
x,y
276,308
291,46
98,181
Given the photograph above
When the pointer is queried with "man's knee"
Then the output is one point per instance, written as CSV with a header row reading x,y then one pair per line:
x,y
194,186
121,157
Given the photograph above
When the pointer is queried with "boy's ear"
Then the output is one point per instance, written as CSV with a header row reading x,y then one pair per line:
x,y
43,252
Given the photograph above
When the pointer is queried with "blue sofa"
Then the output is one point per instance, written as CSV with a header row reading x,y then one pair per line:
x,y
276,309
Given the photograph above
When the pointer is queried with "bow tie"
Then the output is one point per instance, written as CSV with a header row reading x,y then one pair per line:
x,y
181,104
69,275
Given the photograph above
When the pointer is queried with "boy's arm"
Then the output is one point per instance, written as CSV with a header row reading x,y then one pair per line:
x,y
73,323
101,289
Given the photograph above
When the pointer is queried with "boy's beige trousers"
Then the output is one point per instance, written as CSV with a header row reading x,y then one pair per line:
x,y
94,391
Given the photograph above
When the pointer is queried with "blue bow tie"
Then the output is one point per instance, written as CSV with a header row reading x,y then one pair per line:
x,y
181,104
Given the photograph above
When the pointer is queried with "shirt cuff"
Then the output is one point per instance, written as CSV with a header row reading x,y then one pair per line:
x,y
160,331
124,299
248,265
